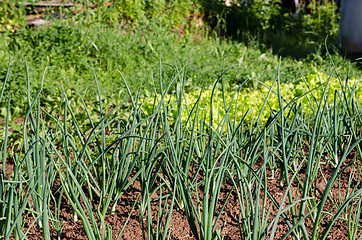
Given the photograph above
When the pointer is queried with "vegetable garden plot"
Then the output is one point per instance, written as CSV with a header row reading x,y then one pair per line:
x,y
206,176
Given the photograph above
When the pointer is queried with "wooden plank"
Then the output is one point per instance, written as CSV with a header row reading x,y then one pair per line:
x,y
46,4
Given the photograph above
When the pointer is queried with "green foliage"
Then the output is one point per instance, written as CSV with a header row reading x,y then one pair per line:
x,y
93,136
269,23
305,91
72,53
170,13
12,16
257,20
187,162
166,11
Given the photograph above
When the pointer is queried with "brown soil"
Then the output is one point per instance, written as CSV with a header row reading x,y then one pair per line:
x,y
229,218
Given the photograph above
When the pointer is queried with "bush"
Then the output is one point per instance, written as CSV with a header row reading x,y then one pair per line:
x,y
271,24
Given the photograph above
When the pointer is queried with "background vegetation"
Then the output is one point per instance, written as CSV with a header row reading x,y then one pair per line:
x,y
134,36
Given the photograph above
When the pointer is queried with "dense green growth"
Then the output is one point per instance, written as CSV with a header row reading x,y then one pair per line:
x,y
95,165
146,91
251,100
173,13
72,54
268,22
